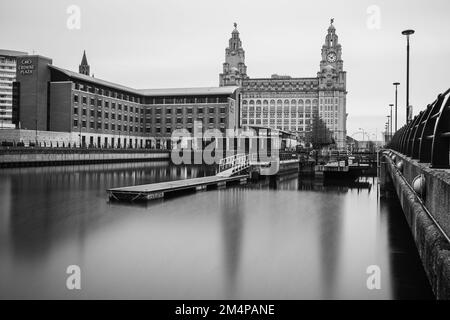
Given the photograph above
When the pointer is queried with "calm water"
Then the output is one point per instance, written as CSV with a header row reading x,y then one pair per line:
x,y
289,239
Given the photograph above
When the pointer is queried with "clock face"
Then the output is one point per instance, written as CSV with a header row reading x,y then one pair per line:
x,y
331,57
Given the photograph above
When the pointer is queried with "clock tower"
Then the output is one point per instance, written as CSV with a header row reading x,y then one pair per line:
x,y
332,87
331,74
234,68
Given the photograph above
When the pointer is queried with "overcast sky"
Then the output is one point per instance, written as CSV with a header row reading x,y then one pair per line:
x,y
168,43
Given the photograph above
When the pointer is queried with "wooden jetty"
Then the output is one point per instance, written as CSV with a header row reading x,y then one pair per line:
x,y
159,190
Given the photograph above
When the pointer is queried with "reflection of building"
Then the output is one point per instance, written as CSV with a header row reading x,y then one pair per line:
x,y
90,111
289,103
7,77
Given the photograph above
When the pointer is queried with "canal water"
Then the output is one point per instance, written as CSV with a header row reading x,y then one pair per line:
x,y
293,238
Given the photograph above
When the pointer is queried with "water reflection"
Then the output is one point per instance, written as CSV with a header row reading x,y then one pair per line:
x,y
232,225
278,238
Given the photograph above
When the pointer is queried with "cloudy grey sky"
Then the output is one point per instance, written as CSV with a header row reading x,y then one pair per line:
x,y
170,43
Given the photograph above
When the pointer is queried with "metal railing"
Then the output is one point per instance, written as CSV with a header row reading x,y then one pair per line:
x,y
427,137
234,164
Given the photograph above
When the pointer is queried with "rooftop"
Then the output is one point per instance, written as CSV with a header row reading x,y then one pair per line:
x,y
12,53
189,91
149,92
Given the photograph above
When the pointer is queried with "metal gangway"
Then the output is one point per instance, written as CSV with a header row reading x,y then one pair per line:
x,y
234,164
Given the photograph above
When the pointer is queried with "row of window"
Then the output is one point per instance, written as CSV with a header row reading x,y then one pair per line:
x,y
125,108
120,117
186,100
106,104
279,102
107,93
199,110
272,109
130,128
272,115
293,101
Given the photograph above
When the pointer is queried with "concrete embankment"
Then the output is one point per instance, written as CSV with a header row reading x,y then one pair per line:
x,y
427,211
26,158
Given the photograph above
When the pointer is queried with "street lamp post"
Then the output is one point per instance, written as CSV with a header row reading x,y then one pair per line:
x,y
391,105
407,33
396,84
389,125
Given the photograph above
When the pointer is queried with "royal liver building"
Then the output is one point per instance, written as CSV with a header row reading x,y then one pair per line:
x,y
288,103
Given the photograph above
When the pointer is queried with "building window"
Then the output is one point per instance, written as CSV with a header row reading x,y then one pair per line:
x,y
75,98
75,123
75,110
84,100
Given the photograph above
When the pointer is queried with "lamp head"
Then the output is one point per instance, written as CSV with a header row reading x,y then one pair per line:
x,y
396,83
407,32
391,105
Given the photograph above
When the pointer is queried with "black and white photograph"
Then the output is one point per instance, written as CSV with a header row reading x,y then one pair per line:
x,y
224,156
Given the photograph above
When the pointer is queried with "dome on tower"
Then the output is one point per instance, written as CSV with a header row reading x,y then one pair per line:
x,y
235,28
331,27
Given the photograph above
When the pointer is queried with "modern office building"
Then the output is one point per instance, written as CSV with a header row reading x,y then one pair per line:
x,y
93,112
7,77
292,103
